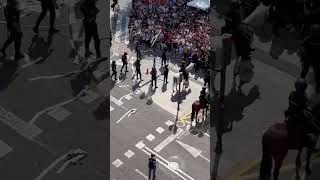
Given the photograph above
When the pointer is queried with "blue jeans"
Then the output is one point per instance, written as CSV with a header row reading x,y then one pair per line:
x,y
152,171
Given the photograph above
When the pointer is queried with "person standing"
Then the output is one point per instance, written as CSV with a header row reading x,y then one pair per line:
x,y
138,69
124,62
138,51
309,54
164,57
152,167
165,74
114,70
12,15
154,77
46,5
90,12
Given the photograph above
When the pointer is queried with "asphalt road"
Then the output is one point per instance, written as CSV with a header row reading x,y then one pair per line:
x,y
43,116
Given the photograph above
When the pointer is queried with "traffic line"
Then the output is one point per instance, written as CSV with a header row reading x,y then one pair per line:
x,y
168,140
166,164
55,163
20,126
129,154
116,101
38,114
111,108
141,173
131,111
150,137
4,149
32,62
117,163
160,130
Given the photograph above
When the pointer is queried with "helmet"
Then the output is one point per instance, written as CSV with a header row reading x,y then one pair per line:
x,y
301,84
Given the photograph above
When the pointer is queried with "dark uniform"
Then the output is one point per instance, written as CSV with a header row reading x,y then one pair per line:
x,y
152,164
138,51
138,69
114,70
46,5
12,16
297,102
154,77
203,95
90,12
206,79
310,55
124,62
164,58
165,74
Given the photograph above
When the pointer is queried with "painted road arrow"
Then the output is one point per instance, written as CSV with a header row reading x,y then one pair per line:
x,y
193,151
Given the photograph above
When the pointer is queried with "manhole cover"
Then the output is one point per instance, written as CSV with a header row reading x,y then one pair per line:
x,y
173,166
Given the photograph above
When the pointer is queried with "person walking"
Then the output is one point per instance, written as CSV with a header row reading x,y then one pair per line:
x,y
164,57
90,12
12,15
138,69
124,62
152,167
165,74
114,70
154,77
46,5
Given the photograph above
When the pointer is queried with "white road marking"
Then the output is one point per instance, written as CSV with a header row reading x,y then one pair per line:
x,y
124,86
159,130
137,91
185,132
111,108
19,125
208,160
117,163
168,140
129,154
73,160
142,174
38,114
54,76
32,62
169,123
193,151
167,163
131,111
126,96
116,101
4,149
140,145
207,134
54,163
150,137
59,113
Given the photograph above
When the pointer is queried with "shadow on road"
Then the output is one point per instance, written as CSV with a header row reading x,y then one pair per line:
x,y
235,102
183,95
40,47
102,112
8,72
214,170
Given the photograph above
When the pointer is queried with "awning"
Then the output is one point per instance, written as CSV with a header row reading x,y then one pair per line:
x,y
200,4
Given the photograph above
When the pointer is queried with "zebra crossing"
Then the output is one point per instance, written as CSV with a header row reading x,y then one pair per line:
x,y
29,130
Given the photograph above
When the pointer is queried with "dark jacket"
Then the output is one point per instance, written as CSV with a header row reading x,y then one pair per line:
x,y
152,163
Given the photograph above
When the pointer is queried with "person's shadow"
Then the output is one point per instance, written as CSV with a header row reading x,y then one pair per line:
x,y
235,102
8,72
40,47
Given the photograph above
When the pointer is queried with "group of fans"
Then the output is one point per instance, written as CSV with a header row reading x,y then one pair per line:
x,y
173,25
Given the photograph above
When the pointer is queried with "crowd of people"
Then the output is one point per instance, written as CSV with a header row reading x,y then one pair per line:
x,y
172,25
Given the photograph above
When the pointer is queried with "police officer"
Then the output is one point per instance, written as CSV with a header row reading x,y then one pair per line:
x,y
90,12
46,5
165,74
203,95
297,102
310,55
164,57
154,77
206,78
138,51
152,167
114,70
12,15
124,59
138,69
